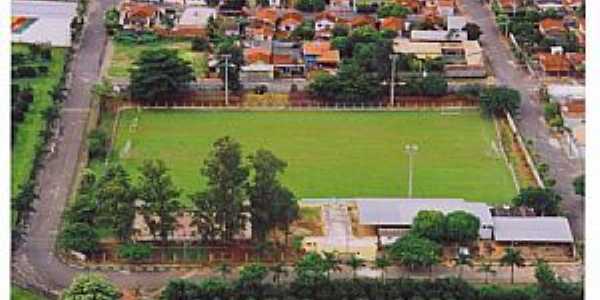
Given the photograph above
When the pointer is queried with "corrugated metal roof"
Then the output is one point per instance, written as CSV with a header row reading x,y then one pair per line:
x,y
403,211
532,229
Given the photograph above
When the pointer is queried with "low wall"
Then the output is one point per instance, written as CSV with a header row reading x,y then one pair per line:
x,y
528,158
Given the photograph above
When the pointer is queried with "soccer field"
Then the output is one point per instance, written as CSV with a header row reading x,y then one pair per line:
x,y
331,154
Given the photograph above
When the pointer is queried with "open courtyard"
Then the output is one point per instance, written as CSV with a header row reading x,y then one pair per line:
x,y
331,154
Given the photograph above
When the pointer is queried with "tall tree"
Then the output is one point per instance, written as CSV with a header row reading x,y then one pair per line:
x,y
430,224
225,192
158,74
512,257
496,100
116,200
473,31
414,251
269,200
91,286
159,195
544,201
228,46
462,227
331,262
79,237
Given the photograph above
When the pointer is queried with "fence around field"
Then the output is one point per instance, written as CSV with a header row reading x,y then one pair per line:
x,y
197,255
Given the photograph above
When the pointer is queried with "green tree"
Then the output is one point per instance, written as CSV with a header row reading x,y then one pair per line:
x,y
355,262
340,30
331,261
310,5
253,273
382,263
393,10
228,47
79,237
544,201
496,100
435,85
430,224
22,203
512,257
487,268
473,31
111,21
266,194
158,74
579,185
311,268
462,227
134,252
414,251
116,197
159,195
91,286
304,32
225,192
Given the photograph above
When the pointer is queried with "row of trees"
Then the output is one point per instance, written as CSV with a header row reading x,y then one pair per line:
x,y
220,211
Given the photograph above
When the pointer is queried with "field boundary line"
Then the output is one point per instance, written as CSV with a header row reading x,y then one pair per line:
x,y
298,108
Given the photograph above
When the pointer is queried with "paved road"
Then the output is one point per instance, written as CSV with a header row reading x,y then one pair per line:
x,y
34,263
563,169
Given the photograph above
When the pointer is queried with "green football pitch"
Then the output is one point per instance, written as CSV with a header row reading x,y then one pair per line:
x,y
331,154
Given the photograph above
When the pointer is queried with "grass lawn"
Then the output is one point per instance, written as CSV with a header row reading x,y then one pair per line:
x,y
17,293
331,154
125,54
27,137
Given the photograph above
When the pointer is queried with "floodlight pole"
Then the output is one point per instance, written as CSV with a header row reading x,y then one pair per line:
x,y
393,57
411,150
226,56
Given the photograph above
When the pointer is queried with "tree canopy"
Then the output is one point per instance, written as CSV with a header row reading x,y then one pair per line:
x,y
91,286
159,73
462,227
393,10
414,251
310,5
544,201
579,185
495,100
430,224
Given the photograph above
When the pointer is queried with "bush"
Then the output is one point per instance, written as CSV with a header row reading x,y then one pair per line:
x,y
24,72
97,144
200,44
260,89
135,252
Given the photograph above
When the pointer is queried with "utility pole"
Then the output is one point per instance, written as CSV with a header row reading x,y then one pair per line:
x,y
226,56
411,150
393,57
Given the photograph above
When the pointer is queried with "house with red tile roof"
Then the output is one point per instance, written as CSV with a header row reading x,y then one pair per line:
x,y
395,24
325,21
552,27
362,20
139,15
320,55
290,20
554,64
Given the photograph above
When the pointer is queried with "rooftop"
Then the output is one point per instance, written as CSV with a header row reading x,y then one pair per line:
x,y
403,211
532,229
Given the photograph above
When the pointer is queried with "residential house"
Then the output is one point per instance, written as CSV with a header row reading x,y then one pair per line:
x,y
393,24
137,15
414,5
509,6
320,55
572,4
35,22
554,64
580,33
456,23
290,21
325,21
548,4
196,16
230,26
438,36
552,28
464,59
267,63
362,20
573,114
267,16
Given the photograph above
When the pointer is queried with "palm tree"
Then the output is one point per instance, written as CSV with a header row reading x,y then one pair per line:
x,y
382,263
461,260
278,271
355,262
512,257
224,269
332,263
487,268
